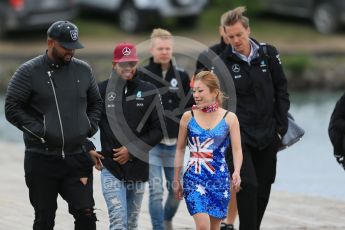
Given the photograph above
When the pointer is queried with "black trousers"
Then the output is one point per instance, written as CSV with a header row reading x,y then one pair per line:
x,y
47,177
258,173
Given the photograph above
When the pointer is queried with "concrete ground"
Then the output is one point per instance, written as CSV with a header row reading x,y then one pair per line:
x,y
285,211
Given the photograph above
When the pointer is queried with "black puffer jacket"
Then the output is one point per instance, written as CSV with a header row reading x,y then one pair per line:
x,y
262,96
174,89
130,118
56,107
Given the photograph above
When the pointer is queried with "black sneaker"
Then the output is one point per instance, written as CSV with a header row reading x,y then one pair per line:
x,y
224,226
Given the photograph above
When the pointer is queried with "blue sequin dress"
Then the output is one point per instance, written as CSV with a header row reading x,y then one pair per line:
x,y
206,181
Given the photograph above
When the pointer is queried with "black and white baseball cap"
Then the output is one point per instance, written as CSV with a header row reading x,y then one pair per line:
x,y
66,34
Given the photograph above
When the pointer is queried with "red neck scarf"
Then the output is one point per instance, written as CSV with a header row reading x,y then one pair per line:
x,y
208,109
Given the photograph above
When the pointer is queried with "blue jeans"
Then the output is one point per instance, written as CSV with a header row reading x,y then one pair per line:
x,y
123,200
161,157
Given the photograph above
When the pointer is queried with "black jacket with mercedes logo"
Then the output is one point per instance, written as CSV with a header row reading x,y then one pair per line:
x,y
174,89
131,117
262,96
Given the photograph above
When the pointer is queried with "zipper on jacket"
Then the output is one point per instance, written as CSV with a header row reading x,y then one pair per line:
x,y
41,138
58,110
44,125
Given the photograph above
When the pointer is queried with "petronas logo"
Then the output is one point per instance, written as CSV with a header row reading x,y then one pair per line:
x,y
139,94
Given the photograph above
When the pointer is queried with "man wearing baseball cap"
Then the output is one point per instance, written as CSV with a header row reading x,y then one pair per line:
x,y
129,128
66,33
54,100
63,39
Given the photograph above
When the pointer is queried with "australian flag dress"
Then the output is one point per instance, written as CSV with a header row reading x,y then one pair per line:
x,y
206,181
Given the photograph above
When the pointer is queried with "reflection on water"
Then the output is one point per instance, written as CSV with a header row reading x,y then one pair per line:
x,y
308,167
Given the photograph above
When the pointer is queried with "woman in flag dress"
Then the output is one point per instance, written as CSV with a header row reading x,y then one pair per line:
x,y
208,130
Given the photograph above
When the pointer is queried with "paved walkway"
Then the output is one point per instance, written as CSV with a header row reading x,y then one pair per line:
x,y
285,211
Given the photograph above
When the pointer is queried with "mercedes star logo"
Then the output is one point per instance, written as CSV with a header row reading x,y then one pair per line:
x,y
111,96
126,51
235,68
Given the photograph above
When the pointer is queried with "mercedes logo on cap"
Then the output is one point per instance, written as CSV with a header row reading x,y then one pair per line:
x,y
126,51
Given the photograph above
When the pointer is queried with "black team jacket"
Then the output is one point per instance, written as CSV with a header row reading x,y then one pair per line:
x,y
262,96
174,90
131,117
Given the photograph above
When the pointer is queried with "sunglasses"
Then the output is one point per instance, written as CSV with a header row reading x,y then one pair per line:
x,y
130,64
